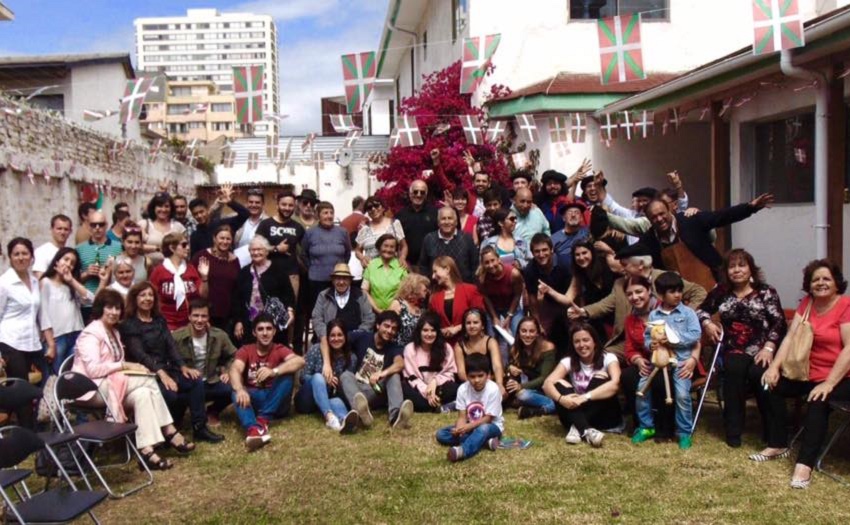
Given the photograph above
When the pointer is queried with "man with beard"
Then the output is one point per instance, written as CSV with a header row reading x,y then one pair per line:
x,y
572,232
284,234
553,195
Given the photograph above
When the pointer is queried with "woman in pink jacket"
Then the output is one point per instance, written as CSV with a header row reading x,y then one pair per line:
x,y
429,367
100,357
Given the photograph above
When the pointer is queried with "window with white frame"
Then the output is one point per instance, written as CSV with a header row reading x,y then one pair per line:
x,y
594,9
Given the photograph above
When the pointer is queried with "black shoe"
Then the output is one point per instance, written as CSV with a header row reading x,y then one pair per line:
x,y
203,433
525,412
733,441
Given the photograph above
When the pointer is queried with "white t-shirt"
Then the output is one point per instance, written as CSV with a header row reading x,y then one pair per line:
x,y
487,402
200,348
585,374
43,255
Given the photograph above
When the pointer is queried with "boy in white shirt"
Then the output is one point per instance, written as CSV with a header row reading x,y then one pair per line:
x,y
479,405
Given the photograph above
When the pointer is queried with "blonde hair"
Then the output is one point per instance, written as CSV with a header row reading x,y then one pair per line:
x,y
410,284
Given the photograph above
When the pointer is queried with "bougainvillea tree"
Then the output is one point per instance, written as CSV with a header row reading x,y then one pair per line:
x,y
438,104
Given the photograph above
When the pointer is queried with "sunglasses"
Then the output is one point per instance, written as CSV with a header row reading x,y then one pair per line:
x,y
97,225
183,244
133,230
308,203
511,218
418,192
372,207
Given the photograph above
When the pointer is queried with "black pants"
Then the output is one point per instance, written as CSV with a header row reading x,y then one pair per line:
x,y
596,413
447,393
190,392
18,365
220,394
816,420
741,375
665,418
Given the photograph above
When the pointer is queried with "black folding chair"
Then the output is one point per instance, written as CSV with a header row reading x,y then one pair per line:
x,y
51,506
14,393
842,407
70,386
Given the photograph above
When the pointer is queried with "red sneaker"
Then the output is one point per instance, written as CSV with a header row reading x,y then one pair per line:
x,y
256,438
263,422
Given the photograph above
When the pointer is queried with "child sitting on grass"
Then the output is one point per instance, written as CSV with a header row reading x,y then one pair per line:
x,y
479,405
684,333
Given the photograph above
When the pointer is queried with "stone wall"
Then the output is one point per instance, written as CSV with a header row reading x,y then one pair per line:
x,y
47,165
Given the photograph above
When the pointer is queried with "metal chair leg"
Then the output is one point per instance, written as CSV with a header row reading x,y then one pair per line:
x,y
832,440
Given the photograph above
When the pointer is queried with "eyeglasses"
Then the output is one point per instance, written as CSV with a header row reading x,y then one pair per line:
x,y
97,225
418,192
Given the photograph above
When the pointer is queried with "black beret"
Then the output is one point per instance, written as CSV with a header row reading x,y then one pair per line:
x,y
648,192
634,250
553,175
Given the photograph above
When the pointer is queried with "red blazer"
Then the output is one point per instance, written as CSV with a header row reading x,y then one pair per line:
x,y
466,297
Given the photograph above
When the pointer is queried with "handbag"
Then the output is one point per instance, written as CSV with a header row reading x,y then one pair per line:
x,y
795,366
273,306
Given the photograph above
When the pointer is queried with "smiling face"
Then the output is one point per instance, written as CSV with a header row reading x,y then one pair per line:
x,y
68,261
447,222
341,284
199,318
823,285
492,264
223,240
440,275
429,334
473,325
286,207
264,332
326,218
388,250
387,330
659,216
528,332
258,252
583,257
542,254
336,339
254,203
162,212
133,245
584,346
145,300
481,182
21,258
375,210
523,201
459,204
180,208
638,296
201,214
509,224
418,193
553,188
591,191
519,183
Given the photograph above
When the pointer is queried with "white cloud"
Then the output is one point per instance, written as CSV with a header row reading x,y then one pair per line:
x,y
288,9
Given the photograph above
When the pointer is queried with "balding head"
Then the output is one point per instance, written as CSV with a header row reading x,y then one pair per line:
x,y
418,193
97,225
523,201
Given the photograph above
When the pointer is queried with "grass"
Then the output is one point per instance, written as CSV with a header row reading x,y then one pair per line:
x,y
308,474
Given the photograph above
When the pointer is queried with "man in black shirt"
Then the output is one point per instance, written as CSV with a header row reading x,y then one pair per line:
x,y
544,267
418,219
208,220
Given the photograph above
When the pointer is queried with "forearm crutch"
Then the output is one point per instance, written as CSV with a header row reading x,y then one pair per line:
x,y
707,380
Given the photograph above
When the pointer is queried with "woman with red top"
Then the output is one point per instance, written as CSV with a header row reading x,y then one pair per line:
x,y
224,271
177,282
829,362
466,222
429,367
452,297
501,285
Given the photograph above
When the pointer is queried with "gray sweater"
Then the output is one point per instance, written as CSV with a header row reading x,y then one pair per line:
x,y
323,248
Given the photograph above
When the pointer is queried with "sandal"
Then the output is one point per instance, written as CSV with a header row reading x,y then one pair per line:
x,y
158,464
760,458
183,448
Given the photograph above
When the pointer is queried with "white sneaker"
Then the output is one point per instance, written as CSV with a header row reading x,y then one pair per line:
x,y
594,437
332,422
573,437
405,412
361,406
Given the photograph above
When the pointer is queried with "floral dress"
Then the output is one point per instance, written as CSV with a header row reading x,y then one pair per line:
x,y
408,324
748,322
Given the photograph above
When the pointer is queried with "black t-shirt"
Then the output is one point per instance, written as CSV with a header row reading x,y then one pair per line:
x,y
559,278
416,225
276,232
363,340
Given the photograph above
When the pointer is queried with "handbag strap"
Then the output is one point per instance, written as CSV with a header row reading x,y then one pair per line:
x,y
263,294
807,312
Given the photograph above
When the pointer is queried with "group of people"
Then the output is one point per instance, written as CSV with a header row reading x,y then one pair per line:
x,y
540,297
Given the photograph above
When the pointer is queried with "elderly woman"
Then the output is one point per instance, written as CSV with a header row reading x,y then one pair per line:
x,y
383,276
828,313
224,272
378,226
123,274
149,342
452,297
160,222
323,247
21,323
100,357
753,325
412,296
429,367
177,281
511,249
448,241
584,387
259,285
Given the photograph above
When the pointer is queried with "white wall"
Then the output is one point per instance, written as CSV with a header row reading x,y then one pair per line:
x,y
99,87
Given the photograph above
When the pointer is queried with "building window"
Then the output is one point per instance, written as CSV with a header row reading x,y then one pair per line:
x,y
222,108
593,9
178,109
181,92
784,158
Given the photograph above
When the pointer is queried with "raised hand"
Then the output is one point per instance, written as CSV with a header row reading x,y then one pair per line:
x,y
470,160
204,268
765,200
674,180
225,193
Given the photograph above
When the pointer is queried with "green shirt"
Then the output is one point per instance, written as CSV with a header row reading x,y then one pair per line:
x,y
91,253
383,281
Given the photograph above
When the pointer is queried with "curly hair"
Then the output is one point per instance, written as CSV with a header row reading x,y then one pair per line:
x,y
834,269
160,199
411,284
741,255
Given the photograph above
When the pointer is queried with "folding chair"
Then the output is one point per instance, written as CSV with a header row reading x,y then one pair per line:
x,y
842,407
15,392
50,506
70,386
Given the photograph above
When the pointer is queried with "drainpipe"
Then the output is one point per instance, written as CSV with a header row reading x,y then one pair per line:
x,y
393,27
821,140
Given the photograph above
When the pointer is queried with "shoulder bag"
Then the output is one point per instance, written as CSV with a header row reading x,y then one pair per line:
x,y
795,366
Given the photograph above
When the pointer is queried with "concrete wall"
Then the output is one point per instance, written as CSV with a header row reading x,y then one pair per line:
x,y
34,138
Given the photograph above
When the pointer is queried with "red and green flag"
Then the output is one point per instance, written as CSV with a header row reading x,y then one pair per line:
x,y
620,49
134,97
777,25
358,72
248,89
477,52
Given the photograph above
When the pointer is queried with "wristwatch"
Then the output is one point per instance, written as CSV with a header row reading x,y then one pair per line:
x,y
587,396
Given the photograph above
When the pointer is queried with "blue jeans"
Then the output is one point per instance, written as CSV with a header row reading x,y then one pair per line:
x,y
190,392
536,399
64,347
264,401
470,443
313,396
219,394
682,394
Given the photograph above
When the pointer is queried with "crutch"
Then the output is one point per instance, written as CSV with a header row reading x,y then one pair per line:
x,y
708,380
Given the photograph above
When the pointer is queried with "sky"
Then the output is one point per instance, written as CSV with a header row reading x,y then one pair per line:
x,y
313,34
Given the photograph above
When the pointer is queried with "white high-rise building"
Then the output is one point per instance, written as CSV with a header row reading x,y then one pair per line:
x,y
205,45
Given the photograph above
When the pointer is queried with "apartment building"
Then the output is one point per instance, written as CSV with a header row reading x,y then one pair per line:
x,y
193,109
205,45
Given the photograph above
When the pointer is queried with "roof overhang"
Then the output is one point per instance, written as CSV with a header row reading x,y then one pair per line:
x,y
6,13
394,43
824,35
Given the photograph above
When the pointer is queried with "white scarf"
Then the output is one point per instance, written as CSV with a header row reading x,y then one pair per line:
x,y
179,285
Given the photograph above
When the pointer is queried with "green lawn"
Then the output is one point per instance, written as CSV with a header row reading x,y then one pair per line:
x,y
309,474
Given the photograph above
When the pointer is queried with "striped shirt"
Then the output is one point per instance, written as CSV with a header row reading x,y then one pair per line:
x,y
91,253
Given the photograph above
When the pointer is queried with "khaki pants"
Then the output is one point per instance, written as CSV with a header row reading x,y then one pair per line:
x,y
150,411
